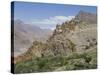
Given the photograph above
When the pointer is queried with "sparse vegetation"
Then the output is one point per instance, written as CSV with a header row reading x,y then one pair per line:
x,y
74,61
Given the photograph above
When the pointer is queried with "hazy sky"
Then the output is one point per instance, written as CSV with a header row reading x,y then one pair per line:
x,y
47,15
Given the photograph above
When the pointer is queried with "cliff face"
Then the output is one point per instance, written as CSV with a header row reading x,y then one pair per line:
x,y
77,35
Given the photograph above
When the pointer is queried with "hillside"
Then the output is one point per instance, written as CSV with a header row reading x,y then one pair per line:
x,y
72,45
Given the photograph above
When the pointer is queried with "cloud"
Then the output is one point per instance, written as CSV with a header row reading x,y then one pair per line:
x,y
50,23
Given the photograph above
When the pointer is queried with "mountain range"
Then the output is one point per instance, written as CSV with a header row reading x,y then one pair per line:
x,y
78,35
25,34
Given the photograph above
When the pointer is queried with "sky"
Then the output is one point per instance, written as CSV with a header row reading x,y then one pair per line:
x,y
47,16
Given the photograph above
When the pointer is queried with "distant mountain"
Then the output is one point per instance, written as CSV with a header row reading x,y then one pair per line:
x,y
90,18
25,34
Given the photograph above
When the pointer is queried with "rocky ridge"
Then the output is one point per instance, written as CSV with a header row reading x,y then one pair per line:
x,y
77,35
